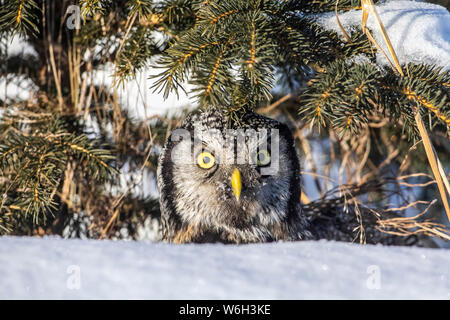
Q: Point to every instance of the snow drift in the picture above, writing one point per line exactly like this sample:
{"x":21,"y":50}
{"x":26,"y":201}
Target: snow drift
{"x":53,"y":268}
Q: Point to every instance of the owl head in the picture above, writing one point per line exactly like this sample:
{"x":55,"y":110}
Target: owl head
{"x":230,"y":182}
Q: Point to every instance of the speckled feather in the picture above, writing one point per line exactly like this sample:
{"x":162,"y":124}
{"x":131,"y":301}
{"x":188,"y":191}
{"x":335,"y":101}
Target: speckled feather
{"x":202,"y":210}
{"x":197,"y":208}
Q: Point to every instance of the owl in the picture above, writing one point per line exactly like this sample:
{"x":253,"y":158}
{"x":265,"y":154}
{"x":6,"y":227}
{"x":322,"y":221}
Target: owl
{"x":230,"y":183}
{"x":240,"y":183}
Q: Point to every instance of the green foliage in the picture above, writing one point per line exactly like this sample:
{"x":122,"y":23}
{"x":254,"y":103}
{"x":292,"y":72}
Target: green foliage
{"x":244,"y":43}
{"x":33,"y":159}
{"x":240,"y":47}
{"x":90,"y":8}
{"x":133,"y":57}
{"x":19,"y":15}
{"x":348,"y":93}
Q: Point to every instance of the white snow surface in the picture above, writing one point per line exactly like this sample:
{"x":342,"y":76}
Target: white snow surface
{"x":53,"y":268}
{"x":419,"y":31}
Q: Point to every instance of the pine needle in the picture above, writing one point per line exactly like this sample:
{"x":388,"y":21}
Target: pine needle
{"x":368,"y":6}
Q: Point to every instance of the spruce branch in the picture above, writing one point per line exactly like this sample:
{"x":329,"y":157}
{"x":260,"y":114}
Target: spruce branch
{"x":19,"y":16}
{"x":267,"y":36}
{"x":347,"y":93}
{"x":89,"y":8}
{"x":33,"y":161}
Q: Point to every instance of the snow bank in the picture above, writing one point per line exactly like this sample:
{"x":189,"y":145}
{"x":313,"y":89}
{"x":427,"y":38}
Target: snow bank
{"x":419,"y":32}
{"x":17,"y":87}
{"x":33,"y":268}
{"x":17,"y":46}
{"x":138,"y":97}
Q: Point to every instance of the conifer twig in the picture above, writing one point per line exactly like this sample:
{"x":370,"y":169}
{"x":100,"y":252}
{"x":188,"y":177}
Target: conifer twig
{"x":429,"y":149}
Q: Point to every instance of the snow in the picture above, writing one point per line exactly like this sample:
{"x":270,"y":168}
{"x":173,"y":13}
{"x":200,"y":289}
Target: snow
{"x":138,"y":97}
{"x":17,"y":46}
{"x":419,"y":32}
{"x":15,"y":87}
{"x":52,"y":268}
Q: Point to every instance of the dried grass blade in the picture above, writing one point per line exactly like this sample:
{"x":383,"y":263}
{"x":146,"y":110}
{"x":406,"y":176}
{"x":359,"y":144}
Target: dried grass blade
{"x":434,"y":163}
{"x":436,"y":167}
{"x":339,"y":23}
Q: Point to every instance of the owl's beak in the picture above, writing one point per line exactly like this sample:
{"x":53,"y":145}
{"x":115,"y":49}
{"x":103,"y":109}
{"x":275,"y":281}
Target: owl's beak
{"x":236,"y":183}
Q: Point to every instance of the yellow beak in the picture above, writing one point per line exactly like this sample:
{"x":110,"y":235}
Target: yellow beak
{"x":236,"y":183}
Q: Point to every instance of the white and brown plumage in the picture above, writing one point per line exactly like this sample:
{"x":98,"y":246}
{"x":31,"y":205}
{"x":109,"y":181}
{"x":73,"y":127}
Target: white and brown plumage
{"x":235,"y":203}
{"x":202,"y":205}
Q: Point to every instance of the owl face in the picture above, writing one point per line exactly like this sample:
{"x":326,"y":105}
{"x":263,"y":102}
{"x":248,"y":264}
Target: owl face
{"x":242,"y":180}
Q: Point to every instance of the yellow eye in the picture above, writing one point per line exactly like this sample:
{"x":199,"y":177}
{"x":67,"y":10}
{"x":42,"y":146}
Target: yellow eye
{"x":262,"y":158}
{"x":205,"y":160}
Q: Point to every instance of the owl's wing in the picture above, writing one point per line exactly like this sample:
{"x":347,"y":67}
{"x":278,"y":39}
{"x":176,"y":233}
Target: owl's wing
{"x":330,"y":219}
{"x":169,"y":219}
